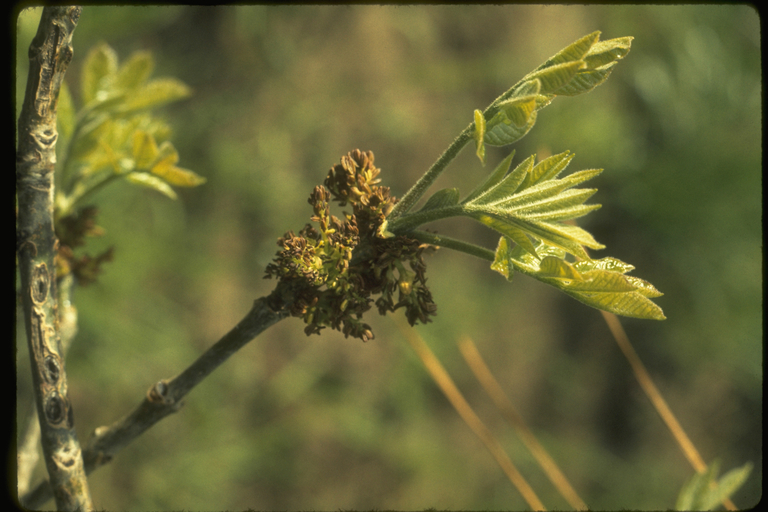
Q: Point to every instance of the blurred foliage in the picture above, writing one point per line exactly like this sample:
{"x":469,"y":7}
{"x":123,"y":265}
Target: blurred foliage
{"x":280,"y":93}
{"x":705,"y":492}
{"x":113,"y":136}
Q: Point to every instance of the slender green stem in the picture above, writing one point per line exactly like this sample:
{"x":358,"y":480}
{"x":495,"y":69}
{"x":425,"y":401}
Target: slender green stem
{"x":65,"y":203}
{"x":453,"y":243}
{"x":411,"y":221}
{"x":429,"y":177}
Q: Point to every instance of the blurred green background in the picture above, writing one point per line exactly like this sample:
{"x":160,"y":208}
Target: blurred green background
{"x":327,"y":423}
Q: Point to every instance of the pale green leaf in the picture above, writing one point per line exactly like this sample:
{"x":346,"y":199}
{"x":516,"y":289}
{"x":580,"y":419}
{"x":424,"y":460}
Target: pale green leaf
{"x":572,"y":232}
{"x":525,"y":89}
{"x":502,"y":263}
{"x":585,"y":81}
{"x":705,"y":492}
{"x":557,"y":268}
{"x":177,"y":176}
{"x":553,"y":234}
{"x":608,"y":263}
{"x":154,"y":94}
{"x":442,"y":199}
{"x":602,"y":281}
{"x":520,"y":259}
{"x":509,"y":227}
{"x":629,"y":304}
{"x":517,"y":111}
{"x":506,"y":187}
{"x":548,"y":168}
{"x":693,"y":490}
{"x":521,"y":239}
{"x":554,"y":77}
{"x":579,"y":177}
{"x":166,"y":150}
{"x":165,"y":168}
{"x":145,"y":150}
{"x":109,"y":102}
{"x":545,"y":189}
{"x":496,"y":176}
{"x":108,"y":157}
{"x":612,"y":292}
{"x":479,"y":135}
{"x":100,"y":64}
{"x":553,"y":203}
{"x":537,"y":211}
{"x":573,"y":52}
{"x":504,"y":132}
{"x":147,"y":180}
{"x":514,"y":117}
{"x":605,"y":52}
{"x":644,"y":287}
{"x":601,"y":289}
{"x":570,"y":213}
{"x":727,"y":485}
{"x":134,"y":72}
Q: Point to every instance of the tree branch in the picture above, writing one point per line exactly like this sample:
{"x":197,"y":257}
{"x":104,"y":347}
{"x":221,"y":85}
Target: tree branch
{"x":49,"y":54}
{"x":165,"y":397}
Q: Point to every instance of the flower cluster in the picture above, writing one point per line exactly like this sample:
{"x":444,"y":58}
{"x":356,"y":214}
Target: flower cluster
{"x":328,"y":273}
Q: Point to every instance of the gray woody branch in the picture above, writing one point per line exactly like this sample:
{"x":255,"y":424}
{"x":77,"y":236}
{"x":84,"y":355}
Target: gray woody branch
{"x":165,"y":397}
{"x":36,"y":243}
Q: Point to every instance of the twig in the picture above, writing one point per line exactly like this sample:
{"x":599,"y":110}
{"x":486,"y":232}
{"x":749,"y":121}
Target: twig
{"x":165,"y":397}
{"x":49,"y":54}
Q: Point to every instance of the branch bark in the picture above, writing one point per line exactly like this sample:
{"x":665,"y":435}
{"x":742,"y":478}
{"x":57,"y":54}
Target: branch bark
{"x":49,"y":56}
{"x":165,"y":397}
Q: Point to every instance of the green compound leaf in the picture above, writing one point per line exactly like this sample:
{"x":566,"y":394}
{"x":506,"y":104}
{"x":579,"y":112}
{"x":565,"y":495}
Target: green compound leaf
{"x":588,"y":281}
{"x":125,"y":89}
{"x":576,"y":69}
{"x":581,"y":66}
{"x":530,"y":201}
{"x":600,"y":61}
{"x":527,"y":203}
